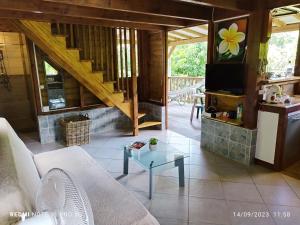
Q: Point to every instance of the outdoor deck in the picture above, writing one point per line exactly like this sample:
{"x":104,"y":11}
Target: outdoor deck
{"x":179,"y":120}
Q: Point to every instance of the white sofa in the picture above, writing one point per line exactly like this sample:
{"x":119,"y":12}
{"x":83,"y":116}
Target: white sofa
{"x":111,"y":203}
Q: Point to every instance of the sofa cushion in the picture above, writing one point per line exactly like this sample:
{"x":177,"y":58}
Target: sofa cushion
{"x":111,"y":203}
{"x":11,"y":196}
{"x":27,"y":174}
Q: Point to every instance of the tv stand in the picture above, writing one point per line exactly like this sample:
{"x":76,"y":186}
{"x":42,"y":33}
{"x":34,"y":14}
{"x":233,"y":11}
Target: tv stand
{"x":224,"y":94}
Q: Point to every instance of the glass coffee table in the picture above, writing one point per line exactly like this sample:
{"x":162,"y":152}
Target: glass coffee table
{"x":165,"y":156}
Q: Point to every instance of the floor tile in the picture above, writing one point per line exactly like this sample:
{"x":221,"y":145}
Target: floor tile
{"x":136,"y":182}
{"x":278,"y":195}
{"x":164,"y":221}
{"x":206,"y":189}
{"x":245,"y":213}
{"x":241,"y":192}
{"x":164,"y":206}
{"x":208,"y":211}
{"x":284,"y":215}
{"x":170,"y":185}
{"x":269,"y":178}
{"x":116,"y":165}
{"x":294,"y":183}
{"x":203,"y":158}
{"x":232,"y":174}
{"x":203,"y":172}
{"x":143,"y":197}
{"x":173,"y":172}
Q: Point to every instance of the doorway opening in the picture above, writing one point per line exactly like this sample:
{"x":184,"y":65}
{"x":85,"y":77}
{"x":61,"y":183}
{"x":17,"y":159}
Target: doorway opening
{"x":187,"y":54}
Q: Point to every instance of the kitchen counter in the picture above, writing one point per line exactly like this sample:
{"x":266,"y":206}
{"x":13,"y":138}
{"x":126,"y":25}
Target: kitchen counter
{"x":283,"y":118}
{"x":293,"y":106}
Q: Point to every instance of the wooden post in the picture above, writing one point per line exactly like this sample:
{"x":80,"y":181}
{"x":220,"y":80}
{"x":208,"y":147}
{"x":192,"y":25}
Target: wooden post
{"x":121,"y":58}
{"x":115,"y":56}
{"x":134,"y":83}
{"x":126,"y":64}
{"x":297,"y":66}
{"x":166,"y":78}
{"x":210,"y":52}
{"x":256,"y":35}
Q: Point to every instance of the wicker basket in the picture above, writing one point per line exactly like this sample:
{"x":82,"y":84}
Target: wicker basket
{"x":76,"y":130}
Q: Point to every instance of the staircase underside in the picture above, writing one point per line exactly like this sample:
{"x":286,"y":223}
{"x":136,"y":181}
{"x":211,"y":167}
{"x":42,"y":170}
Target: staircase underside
{"x":54,"y":45}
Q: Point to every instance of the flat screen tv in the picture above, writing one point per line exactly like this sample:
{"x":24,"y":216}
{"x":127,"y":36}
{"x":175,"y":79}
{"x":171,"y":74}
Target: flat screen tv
{"x":226,"y":77}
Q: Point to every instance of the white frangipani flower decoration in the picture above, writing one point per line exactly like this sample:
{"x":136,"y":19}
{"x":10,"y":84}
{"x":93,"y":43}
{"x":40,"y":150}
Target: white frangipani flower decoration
{"x":231,"y":39}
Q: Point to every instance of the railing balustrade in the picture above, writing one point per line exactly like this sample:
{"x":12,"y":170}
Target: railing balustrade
{"x":179,"y":85}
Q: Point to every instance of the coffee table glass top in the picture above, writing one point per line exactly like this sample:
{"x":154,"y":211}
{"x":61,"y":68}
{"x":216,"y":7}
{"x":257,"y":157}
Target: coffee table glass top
{"x":164,"y":154}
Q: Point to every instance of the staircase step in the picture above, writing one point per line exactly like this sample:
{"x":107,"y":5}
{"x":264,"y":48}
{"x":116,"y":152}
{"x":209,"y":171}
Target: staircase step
{"x":149,"y":124}
{"x":141,"y":115}
{"x":87,"y":64}
{"x":74,"y":53}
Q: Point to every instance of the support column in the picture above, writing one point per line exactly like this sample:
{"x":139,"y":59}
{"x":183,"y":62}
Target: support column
{"x":258,"y":33}
{"x":297,"y":66}
{"x":134,"y":94}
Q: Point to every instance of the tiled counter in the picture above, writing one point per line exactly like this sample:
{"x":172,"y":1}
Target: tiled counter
{"x":232,"y":142}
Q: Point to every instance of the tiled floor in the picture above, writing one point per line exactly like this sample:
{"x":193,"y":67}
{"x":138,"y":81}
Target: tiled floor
{"x":217,"y":191}
{"x":179,"y":120}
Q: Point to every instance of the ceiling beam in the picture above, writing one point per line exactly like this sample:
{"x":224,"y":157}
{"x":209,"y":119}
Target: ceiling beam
{"x":187,"y":41}
{"x":10,"y":14}
{"x":50,"y":8}
{"x":177,"y":33}
{"x":174,"y":9}
{"x":173,"y":37}
{"x":247,"y":5}
{"x":189,"y":30}
{"x":297,"y":16}
{"x":287,"y":28}
{"x":278,"y":22}
{"x":271,"y":4}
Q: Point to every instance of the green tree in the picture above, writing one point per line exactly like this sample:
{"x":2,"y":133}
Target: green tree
{"x":282,"y":50}
{"x":189,"y":60}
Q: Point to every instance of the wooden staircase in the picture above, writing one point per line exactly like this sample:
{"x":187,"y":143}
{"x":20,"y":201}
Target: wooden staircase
{"x":55,"y":46}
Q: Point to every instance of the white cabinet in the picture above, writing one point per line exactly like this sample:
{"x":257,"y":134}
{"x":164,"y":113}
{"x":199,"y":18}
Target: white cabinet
{"x":267,"y":126}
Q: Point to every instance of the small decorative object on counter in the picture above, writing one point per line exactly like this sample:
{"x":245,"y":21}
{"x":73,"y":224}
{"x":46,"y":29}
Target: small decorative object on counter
{"x":239,"y":112}
{"x":76,"y":130}
{"x":153,"y":144}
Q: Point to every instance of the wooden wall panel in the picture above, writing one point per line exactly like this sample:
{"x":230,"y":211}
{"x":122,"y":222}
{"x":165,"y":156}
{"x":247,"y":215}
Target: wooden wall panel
{"x":152,"y":66}
{"x":16,"y":105}
{"x":71,"y":87}
{"x":89,"y":98}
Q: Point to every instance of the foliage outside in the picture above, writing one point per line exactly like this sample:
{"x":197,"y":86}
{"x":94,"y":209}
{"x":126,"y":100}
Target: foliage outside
{"x":282,"y":50}
{"x":189,"y":60}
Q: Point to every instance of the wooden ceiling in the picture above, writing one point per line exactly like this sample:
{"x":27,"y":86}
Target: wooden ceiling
{"x":141,"y":14}
{"x":284,"y":19}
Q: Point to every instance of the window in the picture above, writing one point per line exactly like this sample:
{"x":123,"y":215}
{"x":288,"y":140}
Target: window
{"x":49,"y":70}
{"x":282,"y":53}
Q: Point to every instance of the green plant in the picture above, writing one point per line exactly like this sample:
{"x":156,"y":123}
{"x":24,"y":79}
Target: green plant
{"x":153,"y":141}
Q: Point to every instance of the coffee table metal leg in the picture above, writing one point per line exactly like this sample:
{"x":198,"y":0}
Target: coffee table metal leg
{"x":126,"y":161}
{"x":150,"y":183}
{"x":180,"y":164}
{"x":150,"y":180}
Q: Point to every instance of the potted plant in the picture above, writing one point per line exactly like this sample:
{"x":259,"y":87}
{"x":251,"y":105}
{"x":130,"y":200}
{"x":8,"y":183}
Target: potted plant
{"x":153,"y":143}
